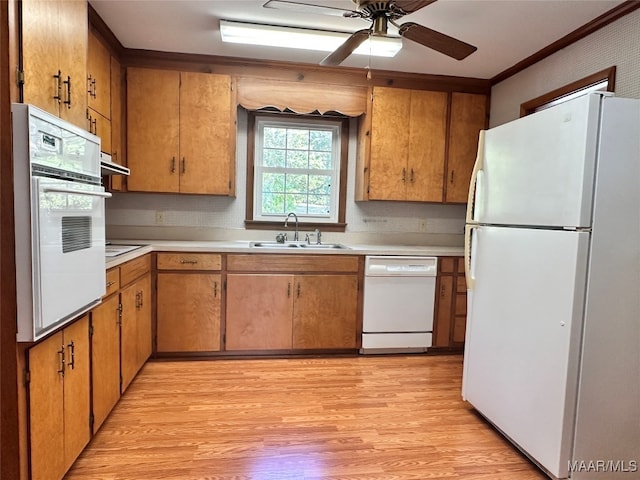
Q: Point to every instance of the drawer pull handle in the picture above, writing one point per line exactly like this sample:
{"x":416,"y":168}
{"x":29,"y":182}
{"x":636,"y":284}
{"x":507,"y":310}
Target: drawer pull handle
{"x":110,"y":284}
{"x":61,"y":353}
{"x":188,"y":262}
{"x":72,"y":363}
{"x":215,"y":289}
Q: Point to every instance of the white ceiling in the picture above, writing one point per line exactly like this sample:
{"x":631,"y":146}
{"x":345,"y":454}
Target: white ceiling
{"x":505,"y":31}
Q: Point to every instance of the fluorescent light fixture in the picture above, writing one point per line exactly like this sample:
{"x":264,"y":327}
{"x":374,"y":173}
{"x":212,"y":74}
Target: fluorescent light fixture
{"x":303,"y":38}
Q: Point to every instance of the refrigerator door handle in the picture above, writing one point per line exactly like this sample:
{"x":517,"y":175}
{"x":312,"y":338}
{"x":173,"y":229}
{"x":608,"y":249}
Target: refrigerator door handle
{"x":471,"y":281}
{"x":477,"y":167}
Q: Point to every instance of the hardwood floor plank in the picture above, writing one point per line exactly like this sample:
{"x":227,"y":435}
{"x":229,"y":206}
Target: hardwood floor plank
{"x":355,"y":418}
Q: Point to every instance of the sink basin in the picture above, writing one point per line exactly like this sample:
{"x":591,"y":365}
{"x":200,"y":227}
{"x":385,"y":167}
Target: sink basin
{"x":309,"y":246}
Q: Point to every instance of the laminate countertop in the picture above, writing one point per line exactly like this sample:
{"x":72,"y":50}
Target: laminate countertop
{"x":244,"y":246}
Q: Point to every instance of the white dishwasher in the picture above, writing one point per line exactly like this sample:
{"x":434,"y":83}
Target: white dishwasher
{"x":399,"y":296}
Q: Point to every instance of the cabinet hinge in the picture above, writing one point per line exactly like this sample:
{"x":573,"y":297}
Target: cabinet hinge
{"x":27,"y":377}
{"x":91,"y":330}
{"x":19,"y":77}
{"x":91,"y":421}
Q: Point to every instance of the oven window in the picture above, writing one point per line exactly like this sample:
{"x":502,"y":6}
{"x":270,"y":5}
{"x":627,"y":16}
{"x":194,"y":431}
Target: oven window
{"x":76,"y":233}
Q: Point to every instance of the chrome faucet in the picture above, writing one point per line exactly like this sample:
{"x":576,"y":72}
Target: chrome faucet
{"x":286,"y":222}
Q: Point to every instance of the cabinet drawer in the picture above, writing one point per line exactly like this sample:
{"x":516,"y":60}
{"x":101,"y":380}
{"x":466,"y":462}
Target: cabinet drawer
{"x":134,"y":269}
{"x":293,"y":263}
{"x":113,"y":281}
{"x":189,"y":261}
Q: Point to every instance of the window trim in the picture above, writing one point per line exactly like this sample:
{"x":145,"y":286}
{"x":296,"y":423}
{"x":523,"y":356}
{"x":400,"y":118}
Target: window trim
{"x":252,"y":224}
{"x":608,"y":74}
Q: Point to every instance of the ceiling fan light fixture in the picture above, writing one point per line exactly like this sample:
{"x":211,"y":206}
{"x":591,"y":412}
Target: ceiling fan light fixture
{"x":304,"y":38}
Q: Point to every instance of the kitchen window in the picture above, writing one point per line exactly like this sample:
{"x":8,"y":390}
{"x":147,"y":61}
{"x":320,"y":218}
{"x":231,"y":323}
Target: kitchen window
{"x":297,"y":163}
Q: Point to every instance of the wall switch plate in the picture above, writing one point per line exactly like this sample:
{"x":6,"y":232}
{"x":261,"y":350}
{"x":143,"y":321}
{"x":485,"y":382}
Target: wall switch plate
{"x":159,"y":218}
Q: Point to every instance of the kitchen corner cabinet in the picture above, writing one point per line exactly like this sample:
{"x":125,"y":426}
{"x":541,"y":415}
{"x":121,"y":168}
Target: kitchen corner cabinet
{"x":135,"y":327}
{"x":273,"y":305}
{"x":468,"y":117}
{"x":54,"y":52}
{"x":451,"y":304}
{"x":407,"y":154}
{"x":181,"y":132}
{"x":188,"y":302}
{"x":59,"y":425}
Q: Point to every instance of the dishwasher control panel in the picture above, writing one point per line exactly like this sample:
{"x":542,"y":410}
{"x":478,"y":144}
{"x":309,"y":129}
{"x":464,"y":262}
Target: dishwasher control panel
{"x":401,"y":265}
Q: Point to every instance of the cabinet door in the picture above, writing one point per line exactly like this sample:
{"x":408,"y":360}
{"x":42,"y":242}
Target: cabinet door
{"x":98,"y":76}
{"x":205,"y":133}
{"x":389,"y":143}
{"x":444,"y":311}
{"x":468,"y":117}
{"x":143,"y":320}
{"x":427,"y":138}
{"x":101,"y":126}
{"x":325,"y":311}
{"x":259,"y":312}
{"x":117,"y":152}
{"x":188,"y":312}
{"x":73,"y":33}
{"x":40,"y":54}
{"x":153,"y":130}
{"x":128,"y":337}
{"x":76,"y":390}
{"x":105,"y":359}
{"x":46,"y":428}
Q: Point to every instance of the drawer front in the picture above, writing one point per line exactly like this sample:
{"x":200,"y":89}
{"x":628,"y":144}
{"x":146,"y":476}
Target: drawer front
{"x":113,"y":281}
{"x":293,"y":263}
{"x":189,"y":261}
{"x":134,"y":269}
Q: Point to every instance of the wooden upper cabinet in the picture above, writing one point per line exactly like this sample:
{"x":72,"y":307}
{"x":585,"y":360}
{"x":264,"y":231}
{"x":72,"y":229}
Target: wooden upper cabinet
{"x":408,"y":138}
{"x":98,"y":77}
{"x":181,"y":132}
{"x":153,"y":104}
{"x":54,"y":51}
{"x":468,"y":117}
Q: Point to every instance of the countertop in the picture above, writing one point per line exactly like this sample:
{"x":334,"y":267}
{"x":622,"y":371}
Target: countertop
{"x":242,"y":246}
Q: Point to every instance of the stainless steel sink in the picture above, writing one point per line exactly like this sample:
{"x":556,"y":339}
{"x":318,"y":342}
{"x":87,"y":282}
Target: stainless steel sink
{"x":286,"y":245}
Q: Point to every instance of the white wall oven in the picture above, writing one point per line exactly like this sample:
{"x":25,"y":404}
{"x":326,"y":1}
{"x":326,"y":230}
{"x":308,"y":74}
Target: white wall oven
{"x":59,"y":220}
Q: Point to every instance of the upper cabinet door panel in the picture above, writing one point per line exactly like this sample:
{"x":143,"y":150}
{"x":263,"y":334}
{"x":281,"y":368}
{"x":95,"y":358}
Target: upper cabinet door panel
{"x":99,"y":77}
{"x":153,"y":130}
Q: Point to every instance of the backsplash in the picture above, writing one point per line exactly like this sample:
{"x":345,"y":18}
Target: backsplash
{"x":202,"y":217}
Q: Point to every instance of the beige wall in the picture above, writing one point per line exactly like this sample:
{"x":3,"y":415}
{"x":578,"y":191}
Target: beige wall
{"x":616,"y":44}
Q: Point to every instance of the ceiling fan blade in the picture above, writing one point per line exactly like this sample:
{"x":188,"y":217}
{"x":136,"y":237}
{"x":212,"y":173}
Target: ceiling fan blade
{"x":410,"y":6}
{"x":343,"y":51}
{"x":437,"y":41}
{"x":310,"y":8}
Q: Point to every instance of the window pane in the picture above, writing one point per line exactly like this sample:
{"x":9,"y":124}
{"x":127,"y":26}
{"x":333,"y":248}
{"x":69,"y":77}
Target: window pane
{"x":319,"y":204}
{"x":320,"y":184}
{"x":273,"y":183}
{"x":274,"y":137}
{"x":297,"y":183}
{"x":320,"y":160}
{"x":274,"y":158}
{"x":320,"y":140}
{"x":273,"y":203}
{"x":297,"y":159}
{"x":297,"y":139}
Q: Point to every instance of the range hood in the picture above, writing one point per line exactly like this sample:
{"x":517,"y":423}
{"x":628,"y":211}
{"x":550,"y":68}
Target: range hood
{"x":108,"y":167}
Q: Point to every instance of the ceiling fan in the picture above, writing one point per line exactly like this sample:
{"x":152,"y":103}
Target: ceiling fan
{"x":381,"y":14}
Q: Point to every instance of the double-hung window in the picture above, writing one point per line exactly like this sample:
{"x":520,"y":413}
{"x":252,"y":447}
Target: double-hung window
{"x":297,"y":168}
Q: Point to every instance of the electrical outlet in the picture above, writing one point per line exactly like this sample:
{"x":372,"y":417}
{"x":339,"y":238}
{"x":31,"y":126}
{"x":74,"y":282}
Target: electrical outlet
{"x":422,"y":225}
{"x":159,"y":218}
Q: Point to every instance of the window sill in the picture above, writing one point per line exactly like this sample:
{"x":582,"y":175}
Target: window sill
{"x":302,"y":226}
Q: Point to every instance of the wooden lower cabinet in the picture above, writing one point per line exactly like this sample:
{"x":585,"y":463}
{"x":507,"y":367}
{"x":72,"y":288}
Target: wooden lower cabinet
{"x":59,"y":405}
{"x":105,"y":358}
{"x":259,"y":312}
{"x":325,"y":311}
{"x":451,"y":304}
{"x":291,"y":311}
{"x":135,"y":328}
{"x":188,"y":315}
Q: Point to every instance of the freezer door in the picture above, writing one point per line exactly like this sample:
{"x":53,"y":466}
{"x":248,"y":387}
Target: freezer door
{"x":539,"y":170}
{"x":523,"y":336}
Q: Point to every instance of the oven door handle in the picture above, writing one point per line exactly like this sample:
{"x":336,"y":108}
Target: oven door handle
{"x":76,"y":192}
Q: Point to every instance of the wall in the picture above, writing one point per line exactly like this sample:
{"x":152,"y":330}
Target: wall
{"x":616,"y":44}
{"x":199,"y":217}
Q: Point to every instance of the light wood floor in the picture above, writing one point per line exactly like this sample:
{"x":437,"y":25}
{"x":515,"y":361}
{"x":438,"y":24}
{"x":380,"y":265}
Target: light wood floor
{"x":374,"y":418}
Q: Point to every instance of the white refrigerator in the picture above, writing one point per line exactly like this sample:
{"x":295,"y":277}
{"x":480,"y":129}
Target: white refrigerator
{"x":552,"y":353}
